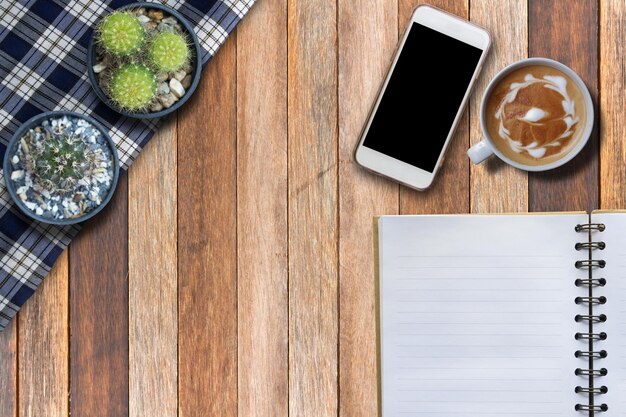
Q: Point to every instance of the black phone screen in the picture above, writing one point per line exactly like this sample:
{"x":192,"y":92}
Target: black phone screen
{"x":422,"y":98}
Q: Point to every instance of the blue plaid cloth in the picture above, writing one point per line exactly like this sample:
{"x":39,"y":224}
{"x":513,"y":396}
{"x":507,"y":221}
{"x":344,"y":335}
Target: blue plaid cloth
{"x":43,"y":48}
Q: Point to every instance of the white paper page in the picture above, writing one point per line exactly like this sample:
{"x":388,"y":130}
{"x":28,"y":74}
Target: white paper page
{"x":477,"y":315}
{"x":614,"y":272}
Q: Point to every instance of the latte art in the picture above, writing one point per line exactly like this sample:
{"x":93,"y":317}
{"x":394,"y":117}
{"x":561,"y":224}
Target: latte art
{"x":535,"y":114}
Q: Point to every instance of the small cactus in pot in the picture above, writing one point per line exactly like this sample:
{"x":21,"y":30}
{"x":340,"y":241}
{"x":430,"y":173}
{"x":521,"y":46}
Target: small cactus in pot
{"x":60,"y":162}
{"x":168,"y":51}
{"x":121,"y":34}
{"x":132,"y":87}
{"x":61,"y":167}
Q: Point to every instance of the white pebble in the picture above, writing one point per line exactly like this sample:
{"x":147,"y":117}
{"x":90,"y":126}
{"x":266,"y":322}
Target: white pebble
{"x":177,"y":88}
{"x":179,"y":75}
{"x":15,"y":159}
{"x":167,"y":100}
{"x":169,"y":20}
{"x":23,"y":196}
{"x":163,"y":88}
{"x":31,"y":206}
{"x":98,"y":68}
{"x":143,"y":18}
{"x":38,"y":211}
{"x":16,"y":175}
{"x":73,"y":208}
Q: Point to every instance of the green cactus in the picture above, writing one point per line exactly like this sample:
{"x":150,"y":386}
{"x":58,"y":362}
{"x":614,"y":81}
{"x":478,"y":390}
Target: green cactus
{"x":168,"y":51}
{"x":132,"y":87}
{"x":60,"y":162}
{"x":121,"y":34}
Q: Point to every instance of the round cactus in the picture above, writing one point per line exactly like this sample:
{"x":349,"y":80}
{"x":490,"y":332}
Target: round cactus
{"x":168,"y":51}
{"x":121,"y":34}
{"x":60,"y":162}
{"x":132,"y":87}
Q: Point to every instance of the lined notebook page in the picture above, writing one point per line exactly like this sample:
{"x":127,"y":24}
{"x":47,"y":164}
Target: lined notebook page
{"x":477,"y":315}
{"x":615,"y":310}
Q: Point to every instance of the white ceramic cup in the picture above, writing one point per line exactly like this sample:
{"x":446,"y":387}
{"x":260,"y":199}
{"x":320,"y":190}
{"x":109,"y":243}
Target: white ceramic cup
{"x":486,"y":147}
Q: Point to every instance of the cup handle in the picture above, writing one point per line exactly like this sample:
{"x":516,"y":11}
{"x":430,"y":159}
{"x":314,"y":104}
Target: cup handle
{"x":479,"y":152}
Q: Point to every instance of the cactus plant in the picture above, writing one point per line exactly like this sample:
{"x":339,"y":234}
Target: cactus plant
{"x":132,"y":87}
{"x":121,"y":34}
{"x":60,"y":162}
{"x":168,"y":51}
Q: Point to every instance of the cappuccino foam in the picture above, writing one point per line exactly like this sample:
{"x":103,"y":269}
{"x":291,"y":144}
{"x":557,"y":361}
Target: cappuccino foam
{"x":535,"y":115}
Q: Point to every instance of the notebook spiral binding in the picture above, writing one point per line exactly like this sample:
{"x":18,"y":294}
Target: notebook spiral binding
{"x":591,"y":335}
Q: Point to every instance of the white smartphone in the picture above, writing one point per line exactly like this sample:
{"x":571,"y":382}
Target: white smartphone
{"x":422,"y":98}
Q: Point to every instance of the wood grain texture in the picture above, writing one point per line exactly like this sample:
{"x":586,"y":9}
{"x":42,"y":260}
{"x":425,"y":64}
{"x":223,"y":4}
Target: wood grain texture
{"x":612,"y":104}
{"x":262,"y":211}
{"x":364,"y":56}
{"x":8,"y":370}
{"x":43,"y":347}
{"x":567,"y":32}
{"x":99,"y":312}
{"x":207,"y":260}
{"x":495,"y":186}
{"x":313,"y":228}
{"x":152,"y":278}
{"x":449,"y":192}
{"x":269,"y":291}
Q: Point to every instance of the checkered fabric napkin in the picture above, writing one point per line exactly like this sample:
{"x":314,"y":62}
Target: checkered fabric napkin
{"x":43,"y":49}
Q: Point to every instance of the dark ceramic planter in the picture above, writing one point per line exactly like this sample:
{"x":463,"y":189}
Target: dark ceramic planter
{"x":197,"y":65}
{"x":8,"y":169}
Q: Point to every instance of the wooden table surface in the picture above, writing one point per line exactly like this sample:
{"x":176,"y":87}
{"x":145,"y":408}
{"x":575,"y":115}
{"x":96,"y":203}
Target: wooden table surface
{"x":233,"y":272}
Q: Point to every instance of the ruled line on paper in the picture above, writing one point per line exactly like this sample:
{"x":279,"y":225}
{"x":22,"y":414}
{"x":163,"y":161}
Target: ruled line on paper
{"x":484,"y":312}
{"x":478,"y":278}
{"x":478,"y":402}
{"x":480,"y":390}
{"x":477,"y":357}
{"x":479,"y":267}
{"x":438,"y":301}
{"x":478,"y":379}
{"x":477,"y":323}
{"x":480,"y":256}
{"x":457,"y":346}
{"x":478,"y":290}
{"x":484,"y":412}
{"x":480,"y":369}
{"x":484,"y":334}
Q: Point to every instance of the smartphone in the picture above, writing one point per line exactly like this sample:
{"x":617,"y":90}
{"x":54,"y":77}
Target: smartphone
{"x":422,"y":98}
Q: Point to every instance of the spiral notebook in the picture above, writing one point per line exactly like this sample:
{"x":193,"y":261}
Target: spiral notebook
{"x":502,"y":315}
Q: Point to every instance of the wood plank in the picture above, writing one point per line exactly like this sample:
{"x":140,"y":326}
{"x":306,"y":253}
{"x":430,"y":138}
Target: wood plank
{"x":450,"y":191}
{"x":495,"y":186}
{"x":152,"y":280}
{"x":99,"y":312}
{"x":612,"y":104}
{"x":263,"y":377}
{"x":207,"y":275}
{"x":43,"y":347}
{"x":567,"y":32}
{"x":367,"y":33}
{"x":8,"y":370}
{"x":313,"y":228}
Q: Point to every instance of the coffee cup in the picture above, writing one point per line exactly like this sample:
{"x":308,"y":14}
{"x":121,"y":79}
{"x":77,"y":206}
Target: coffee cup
{"x":536,"y":115}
